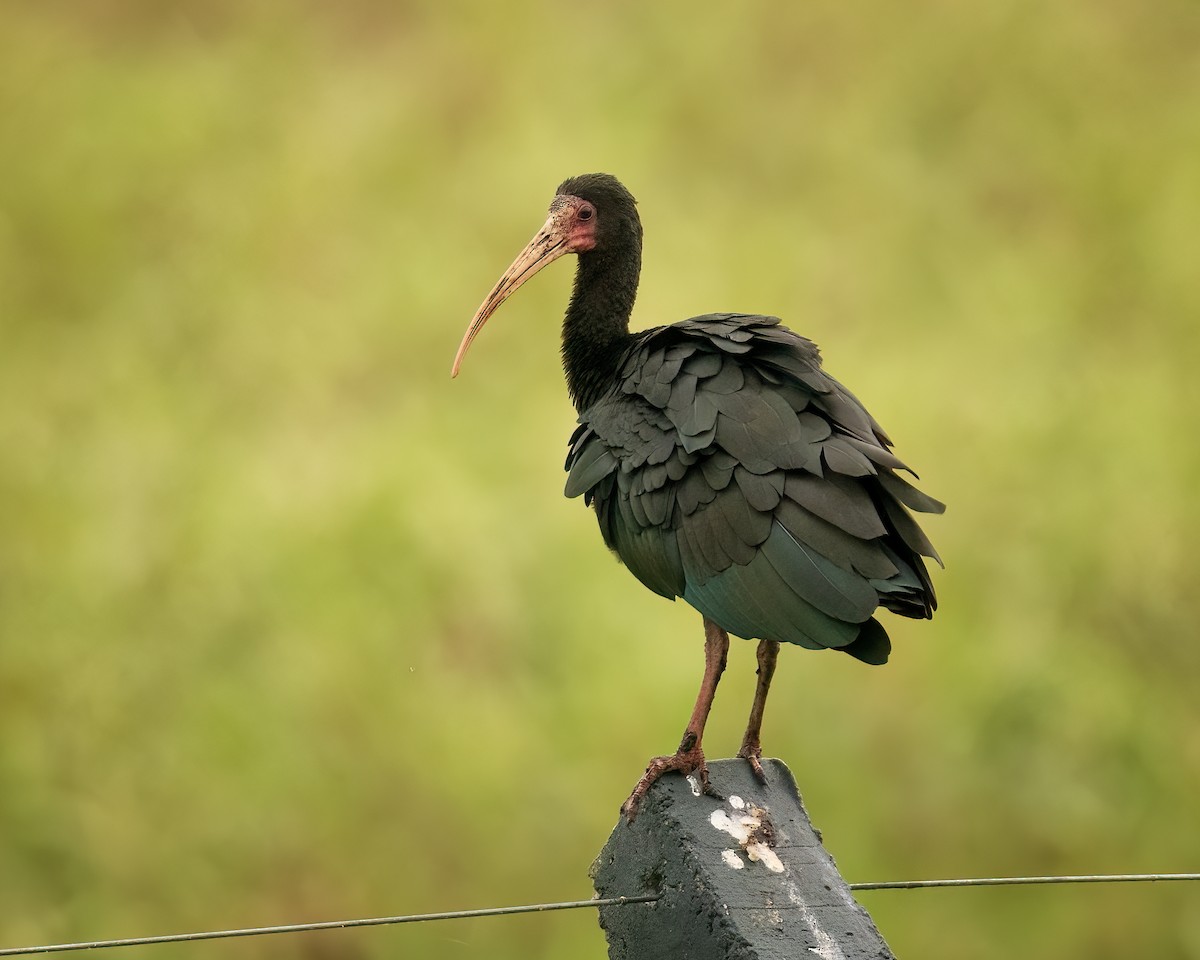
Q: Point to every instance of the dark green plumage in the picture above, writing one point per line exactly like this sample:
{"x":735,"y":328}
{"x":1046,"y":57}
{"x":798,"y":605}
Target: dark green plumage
{"x":727,"y":468}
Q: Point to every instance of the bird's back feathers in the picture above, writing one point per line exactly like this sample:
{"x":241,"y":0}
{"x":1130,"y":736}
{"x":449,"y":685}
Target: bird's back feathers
{"x":726,"y":467}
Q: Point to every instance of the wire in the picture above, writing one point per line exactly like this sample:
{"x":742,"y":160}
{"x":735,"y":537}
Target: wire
{"x":1013,"y":881}
{"x":567,"y":905}
{"x":327,"y":925}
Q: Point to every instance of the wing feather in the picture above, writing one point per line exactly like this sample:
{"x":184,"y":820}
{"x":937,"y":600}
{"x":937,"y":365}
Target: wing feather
{"x":726,"y":467}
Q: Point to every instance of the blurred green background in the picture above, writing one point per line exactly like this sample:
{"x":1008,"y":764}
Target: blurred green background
{"x":292,"y":627}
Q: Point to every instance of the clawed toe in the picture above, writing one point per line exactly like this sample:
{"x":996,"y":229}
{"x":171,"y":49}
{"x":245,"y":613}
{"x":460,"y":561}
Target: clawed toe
{"x":753,"y":756}
{"x":686,"y":762}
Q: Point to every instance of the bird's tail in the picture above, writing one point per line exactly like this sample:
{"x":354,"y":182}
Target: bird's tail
{"x":872,"y":645}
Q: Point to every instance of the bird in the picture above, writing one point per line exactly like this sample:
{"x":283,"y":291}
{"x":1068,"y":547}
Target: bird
{"x":725,"y":468}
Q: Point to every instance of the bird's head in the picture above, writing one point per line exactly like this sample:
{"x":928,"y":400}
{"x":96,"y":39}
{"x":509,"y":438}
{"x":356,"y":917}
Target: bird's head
{"x":589,"y":216}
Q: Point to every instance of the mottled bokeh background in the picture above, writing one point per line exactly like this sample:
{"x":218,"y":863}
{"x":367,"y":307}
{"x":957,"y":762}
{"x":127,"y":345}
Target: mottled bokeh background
{"x":292,"y":627}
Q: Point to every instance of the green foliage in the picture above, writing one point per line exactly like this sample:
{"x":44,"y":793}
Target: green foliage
{"x":292,"y":627}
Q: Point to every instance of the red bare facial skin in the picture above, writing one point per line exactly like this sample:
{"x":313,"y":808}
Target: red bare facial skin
{"x":570,"y":228}
{"x":579,"y":222}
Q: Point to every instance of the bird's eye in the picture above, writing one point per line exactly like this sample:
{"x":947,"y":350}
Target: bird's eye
{"x":585,"y":213}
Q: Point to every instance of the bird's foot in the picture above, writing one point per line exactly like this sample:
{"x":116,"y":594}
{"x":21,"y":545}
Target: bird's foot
{"x":751,"y":752}
{"x":687,"y":760}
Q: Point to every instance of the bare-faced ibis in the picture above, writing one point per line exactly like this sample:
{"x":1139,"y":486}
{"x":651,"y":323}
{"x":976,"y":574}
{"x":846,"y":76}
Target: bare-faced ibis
{"x":725,"y":466}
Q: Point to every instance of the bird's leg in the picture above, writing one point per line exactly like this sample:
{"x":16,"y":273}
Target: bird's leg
{"x":689,"y":758}
{"x":751,"y":750}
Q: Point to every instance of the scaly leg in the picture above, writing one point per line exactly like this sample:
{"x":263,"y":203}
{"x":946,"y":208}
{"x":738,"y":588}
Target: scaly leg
{"x":751,"y":750}
{"x":689,"y":758}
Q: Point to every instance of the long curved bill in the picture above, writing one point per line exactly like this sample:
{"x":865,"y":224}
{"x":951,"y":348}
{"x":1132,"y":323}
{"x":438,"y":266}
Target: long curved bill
{"x":548,"y":245}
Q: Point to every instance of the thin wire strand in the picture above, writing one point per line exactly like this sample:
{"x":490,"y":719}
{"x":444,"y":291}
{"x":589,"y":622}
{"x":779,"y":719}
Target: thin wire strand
{"x":327,"y":925}
{"x":1013,"y":881}
{"x":567,"y":905}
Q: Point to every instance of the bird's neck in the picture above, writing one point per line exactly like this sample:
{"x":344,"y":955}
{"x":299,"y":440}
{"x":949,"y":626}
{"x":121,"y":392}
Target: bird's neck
{"x":595,"y":332}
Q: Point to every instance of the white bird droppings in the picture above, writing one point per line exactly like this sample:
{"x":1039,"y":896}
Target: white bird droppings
{"x":761,"y":853}
{"x":694,"y":784}
{"x":739,"y":829}
{"x":745,"y":823}
{"x":732,"y":860}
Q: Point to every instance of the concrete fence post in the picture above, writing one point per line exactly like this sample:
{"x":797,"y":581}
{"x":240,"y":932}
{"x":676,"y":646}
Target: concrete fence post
{"x":744,"y":877}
